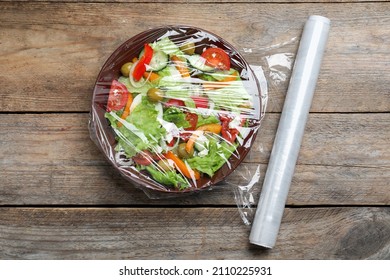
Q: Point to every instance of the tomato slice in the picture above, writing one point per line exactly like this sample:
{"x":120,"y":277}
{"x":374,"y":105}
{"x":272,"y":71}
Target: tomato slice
{"x":201,"y":102}
{"x":175,"y":102}
{"x":185,"y":135}
{"x":117,"y":97}
{"x":217,"y":58}
{"x":192,"y":118}
{"x":229,"y":134}
{"x":145,"y":158}
{"x":172,"y":143}
{"x":140,"y":67}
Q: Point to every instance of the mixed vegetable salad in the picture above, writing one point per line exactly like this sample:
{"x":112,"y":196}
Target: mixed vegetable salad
{"x":179,"y":111}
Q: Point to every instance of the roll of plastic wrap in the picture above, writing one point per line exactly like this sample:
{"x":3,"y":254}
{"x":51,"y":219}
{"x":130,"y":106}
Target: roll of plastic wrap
{"x":290,"y":131}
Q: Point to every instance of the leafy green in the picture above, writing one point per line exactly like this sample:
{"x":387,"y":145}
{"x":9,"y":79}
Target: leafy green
{"x":142,"y":131}
{"x":113,"y":117}
{"x":143,"y":89}
{"x":167,"y":46}
{"x":176,"y":116}
{"x":170,"y":177}
{"x":230,"y":96}
{"x":207,"y":77}
{"x":218,"y":155}
{"x":223,"y":74}
{"x":208,"y":120}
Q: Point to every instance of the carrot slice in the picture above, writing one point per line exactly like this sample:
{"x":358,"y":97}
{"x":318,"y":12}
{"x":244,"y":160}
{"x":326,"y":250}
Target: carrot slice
{"x":126,"y":111}
{"x":181,"y":66}
{"x":151,"y":76}
{"x":214,"y":128}
{"x":189,"y":173}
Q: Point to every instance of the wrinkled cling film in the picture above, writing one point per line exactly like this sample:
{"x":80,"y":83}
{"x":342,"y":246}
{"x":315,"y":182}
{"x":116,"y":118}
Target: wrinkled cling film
{"x":178,"y":119}
{"x":273,"y":70}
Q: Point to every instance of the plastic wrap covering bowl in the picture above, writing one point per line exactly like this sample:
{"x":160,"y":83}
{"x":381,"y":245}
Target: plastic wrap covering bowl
{"x":144,"y":133}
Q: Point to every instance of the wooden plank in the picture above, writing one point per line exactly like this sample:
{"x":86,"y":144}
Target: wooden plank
{"x":329,"y":139}
{"x":49,"y":159}
{"x":189,"y":233}
{"x":334,"y":139}
{"x":100,"y":184}
{"x":82,"y":35}
{"x":199,"y":1}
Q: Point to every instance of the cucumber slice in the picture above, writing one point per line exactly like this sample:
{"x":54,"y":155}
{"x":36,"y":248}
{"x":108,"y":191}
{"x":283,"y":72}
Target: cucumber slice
{"x":222,"y":74}
{"x":159,"y":60}
{"x":198,"y":62}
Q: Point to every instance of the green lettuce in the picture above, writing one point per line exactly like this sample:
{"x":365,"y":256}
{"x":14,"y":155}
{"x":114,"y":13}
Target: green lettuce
{"x":167,"y":46}
{"x":208,"y":120}
{"x":170,"y":177}
{"x":143,"y":89}
{"x":113,"y":116}
{"x":230,"y":96}
{"x":176,"y":116}
{"x":218,"y":155}
{"x":144,"y":131}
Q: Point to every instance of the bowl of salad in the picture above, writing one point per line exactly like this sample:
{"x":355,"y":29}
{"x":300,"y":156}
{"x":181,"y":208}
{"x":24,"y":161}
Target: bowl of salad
{"x":175,"y":109}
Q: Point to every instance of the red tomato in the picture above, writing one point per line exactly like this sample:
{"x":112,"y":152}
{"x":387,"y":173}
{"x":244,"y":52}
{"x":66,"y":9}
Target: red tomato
{"x":172,"y":143}
{"x":175,"y":102}
{"x":229,"y":134}
{"x":117,"y":97}
{"x":201,"y":102}
{"x":140,"y":67}
{"x":145,"y":158}
{"x":217,"y":58}
{"x":193,"y":120}
{"x":185,"y":136}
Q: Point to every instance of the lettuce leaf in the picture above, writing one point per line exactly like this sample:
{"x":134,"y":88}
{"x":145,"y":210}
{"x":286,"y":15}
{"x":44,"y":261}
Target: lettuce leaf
{"x":218,"y":155}
{"x":142,"y":131}
{"x":144,"y":89}
{"x":208,"y":120}
{"x":170,"y":178}
{"x":176,"y":116}
{"x":167,"y":46}
{"x":230,"y":96}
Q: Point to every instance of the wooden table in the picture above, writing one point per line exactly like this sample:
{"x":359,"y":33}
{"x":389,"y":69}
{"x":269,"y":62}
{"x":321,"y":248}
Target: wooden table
{"x":60,"y":199}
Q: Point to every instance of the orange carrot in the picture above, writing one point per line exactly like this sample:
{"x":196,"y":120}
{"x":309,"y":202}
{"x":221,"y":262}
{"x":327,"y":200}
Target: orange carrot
{"x":189,"y":173}
{"x":181,"y":66}
{"x":126,"y":111}
{"x":222,"y":83}
{"x":151,"y":76}
{"x":214,"y":128}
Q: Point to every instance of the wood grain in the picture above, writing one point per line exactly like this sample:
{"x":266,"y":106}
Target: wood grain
{"x":49,"y":61}
{"x":60,"y":198}
{"x":50,"y":159}
{"x":198,"y":1}
{"x":182,"y":233}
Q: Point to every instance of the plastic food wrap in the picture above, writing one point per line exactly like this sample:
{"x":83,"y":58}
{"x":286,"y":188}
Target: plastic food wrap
{"x":175,"y":109}
{"x":290,"y":132}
